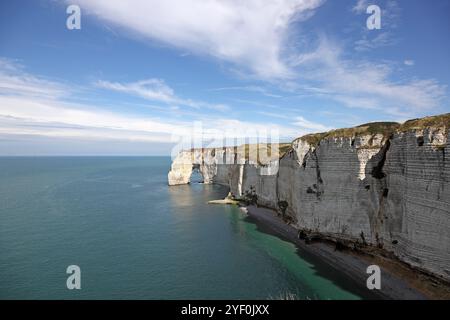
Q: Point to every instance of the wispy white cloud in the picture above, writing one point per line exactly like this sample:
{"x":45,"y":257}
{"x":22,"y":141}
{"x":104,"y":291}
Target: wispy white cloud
{"x":157,"y":90}
{"x":250,"y":34}
{"x":363,"y":84}
{"x":409,"y":63}
{"x":14,"y":80}
{"x":360,"y":6}
{"x":380,"y":40}
{"x":151,"y":89}
{"x":274,"y":115}
{"x":310,"y":126}
{"x":43,"y":111}
{"x":299,"y":124}
{"x":22,"y":115}
{"x":258,"y":89}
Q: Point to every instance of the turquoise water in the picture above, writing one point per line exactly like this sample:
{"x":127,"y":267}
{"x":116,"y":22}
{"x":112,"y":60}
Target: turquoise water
{"x":136,"y":238}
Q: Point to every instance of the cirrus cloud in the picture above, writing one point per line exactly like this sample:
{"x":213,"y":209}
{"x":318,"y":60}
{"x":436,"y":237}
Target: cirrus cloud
{"x":157,"y":90}
{"x":250,"y":34}
{"x":367,"y":85}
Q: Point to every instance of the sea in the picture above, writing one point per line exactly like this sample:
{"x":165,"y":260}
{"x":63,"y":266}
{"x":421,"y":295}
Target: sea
{"x":134,"y":237}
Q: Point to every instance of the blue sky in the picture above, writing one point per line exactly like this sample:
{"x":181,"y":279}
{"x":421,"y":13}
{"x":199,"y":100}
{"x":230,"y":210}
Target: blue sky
{"x":140,"y":75}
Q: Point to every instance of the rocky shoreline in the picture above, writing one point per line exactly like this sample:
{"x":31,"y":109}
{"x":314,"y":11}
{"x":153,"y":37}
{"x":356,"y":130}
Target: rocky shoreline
{"x":395,"y":285}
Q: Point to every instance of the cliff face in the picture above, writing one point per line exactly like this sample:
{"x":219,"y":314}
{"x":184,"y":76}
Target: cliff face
{"x":376,"y":187}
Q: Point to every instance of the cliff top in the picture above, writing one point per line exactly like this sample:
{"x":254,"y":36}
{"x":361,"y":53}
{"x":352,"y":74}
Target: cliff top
{"x":254,"y":151}
{"x":265,"y":149}
{"x":384,"y":128}
{"x":440,"y":121}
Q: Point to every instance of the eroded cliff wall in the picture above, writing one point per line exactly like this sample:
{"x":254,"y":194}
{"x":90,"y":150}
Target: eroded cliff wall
{"x":388,"y":189}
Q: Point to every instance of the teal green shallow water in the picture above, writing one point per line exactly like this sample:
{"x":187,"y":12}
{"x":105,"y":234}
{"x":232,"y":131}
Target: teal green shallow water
{"x":136,"y":238}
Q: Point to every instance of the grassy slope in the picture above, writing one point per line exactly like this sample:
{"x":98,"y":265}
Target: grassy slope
{"x":384,"y":128}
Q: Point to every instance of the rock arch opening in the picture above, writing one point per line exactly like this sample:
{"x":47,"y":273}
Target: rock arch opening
{"x":196,"y":174}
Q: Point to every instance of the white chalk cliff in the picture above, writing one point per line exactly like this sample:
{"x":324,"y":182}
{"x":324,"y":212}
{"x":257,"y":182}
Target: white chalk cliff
{"x":383,"y":185}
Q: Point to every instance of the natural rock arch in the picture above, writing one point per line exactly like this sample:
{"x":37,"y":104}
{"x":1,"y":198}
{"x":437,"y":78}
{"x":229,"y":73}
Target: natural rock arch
{"x":196,"y":174}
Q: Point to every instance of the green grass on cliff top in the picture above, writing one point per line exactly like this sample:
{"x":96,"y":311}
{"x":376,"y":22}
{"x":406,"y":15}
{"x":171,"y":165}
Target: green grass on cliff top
{"x":384,"y":128}
{"x":264,"y":148}
{"x":441,"y":121}
{"x":258,"y":150}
